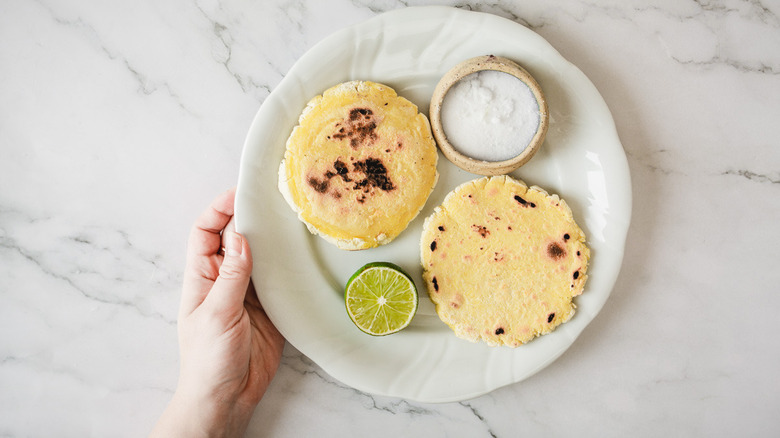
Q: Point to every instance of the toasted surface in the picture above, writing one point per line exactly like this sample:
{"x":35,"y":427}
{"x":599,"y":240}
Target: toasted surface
{"x":360,"y":165}
{"x":502,"y":261}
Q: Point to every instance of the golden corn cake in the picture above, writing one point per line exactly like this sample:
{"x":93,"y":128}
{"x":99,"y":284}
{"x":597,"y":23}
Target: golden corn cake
{"x":360,"y":165}
{"x":502,"y":261}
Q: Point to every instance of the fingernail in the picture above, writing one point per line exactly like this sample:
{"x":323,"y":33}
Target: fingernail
{"x":234,"y":245}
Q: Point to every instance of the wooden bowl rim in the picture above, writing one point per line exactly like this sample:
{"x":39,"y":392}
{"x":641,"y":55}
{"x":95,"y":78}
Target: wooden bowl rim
{"x":474,"y":65}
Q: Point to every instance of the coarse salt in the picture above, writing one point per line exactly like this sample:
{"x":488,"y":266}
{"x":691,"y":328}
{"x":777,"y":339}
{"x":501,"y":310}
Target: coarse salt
{"x":490,"y":115}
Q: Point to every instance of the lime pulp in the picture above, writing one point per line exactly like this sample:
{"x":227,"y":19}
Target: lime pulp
{"x":381,"y":298}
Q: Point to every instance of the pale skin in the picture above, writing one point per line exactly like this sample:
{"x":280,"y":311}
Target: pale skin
{"x":229,"y":348}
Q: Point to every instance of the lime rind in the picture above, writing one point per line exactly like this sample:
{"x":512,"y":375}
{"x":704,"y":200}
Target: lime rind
{"x":381,"y":298}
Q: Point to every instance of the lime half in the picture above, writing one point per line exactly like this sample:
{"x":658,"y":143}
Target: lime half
{"x":381,"y":298}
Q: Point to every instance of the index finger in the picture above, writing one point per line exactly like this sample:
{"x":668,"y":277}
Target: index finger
{"x":204,"y":242}
{"x":205,"y":234}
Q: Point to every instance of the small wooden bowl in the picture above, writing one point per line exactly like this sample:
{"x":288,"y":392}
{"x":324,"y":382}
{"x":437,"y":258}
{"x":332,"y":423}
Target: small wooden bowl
{"x":465,"y":68}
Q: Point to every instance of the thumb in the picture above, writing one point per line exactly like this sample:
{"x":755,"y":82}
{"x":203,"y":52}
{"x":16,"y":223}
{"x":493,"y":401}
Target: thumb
{"x":230,"y":287}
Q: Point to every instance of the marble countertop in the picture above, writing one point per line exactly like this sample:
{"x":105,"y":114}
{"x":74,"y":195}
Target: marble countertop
{"x":120,"y":121}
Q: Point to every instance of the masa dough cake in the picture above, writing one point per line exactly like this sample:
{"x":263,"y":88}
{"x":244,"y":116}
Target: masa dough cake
{"x":502,"y":261}
{"x":360,"y":165}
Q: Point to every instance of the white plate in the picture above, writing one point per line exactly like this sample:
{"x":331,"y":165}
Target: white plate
{"x":300,"y":277}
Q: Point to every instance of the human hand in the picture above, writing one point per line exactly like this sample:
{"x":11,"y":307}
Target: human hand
{"x":229,"y":348}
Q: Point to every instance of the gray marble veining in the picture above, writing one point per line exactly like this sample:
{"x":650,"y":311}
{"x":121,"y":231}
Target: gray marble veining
{"x":119,"y":122}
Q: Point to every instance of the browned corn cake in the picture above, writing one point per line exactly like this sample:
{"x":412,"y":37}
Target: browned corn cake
{"x":502,"y":262}
{"x":360,"y":165}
